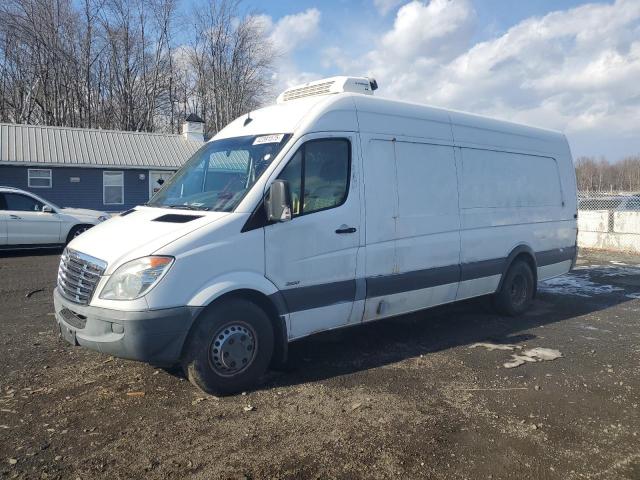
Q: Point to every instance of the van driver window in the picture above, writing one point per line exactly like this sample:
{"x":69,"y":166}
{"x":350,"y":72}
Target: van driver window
{"x":321,"y":169}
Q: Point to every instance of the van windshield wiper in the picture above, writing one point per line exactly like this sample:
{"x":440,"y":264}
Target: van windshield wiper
{"x":187,"y":207}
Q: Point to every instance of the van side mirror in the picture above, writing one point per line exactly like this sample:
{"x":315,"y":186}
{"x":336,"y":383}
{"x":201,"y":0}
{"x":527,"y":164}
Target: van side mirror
{"x":47,"y":209}
{"x":278,"y":202}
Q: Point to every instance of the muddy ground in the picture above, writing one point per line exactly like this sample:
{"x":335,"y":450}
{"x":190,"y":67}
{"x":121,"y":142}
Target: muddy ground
{"x":402,"y":398}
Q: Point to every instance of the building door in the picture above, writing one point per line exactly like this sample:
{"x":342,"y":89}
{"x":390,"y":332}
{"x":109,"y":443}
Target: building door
{"x":157,"y":180}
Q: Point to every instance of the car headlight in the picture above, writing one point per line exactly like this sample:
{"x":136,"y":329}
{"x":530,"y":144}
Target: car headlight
{"x":135,"y":278}
{"x":103,"y":218}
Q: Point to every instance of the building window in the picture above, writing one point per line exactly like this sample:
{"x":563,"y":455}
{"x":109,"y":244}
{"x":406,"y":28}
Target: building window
{"x":113,"y":188}
{"x":39,"y":178}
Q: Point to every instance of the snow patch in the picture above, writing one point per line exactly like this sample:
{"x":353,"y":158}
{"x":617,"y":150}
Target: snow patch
{"x":537,"y":354}
{"x":494,"y":346}
{"x":616,"y":269}
{"x":575,"y":284}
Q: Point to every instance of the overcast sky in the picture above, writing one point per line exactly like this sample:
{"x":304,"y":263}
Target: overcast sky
{"x":562,"y":64}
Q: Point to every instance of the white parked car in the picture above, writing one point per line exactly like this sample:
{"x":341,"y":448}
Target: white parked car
{"x":329,"y":209}
{"x":29,"y":221}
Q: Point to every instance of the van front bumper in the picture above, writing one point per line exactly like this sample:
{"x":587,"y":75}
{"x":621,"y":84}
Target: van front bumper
{"x":153,"y":336}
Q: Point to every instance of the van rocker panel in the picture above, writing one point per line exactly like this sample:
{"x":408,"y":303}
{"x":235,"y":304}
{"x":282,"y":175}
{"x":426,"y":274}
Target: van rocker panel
{"x":322,"y":295}
{"x":152,"y":336}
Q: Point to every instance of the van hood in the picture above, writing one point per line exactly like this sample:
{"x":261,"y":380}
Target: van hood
{"x":140,"y":233}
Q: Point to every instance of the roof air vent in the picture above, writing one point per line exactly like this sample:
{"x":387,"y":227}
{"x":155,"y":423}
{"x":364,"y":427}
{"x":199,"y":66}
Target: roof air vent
{"x":328,"y":86}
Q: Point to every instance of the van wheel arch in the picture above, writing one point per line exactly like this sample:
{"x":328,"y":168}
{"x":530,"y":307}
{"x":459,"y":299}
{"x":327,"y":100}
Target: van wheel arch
{"x":262,"y":301}
{"x":525,"y":253}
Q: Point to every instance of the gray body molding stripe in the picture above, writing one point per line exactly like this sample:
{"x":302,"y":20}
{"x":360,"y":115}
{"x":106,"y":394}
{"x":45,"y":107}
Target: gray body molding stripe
{"x":316,"y":296}
{"x":405,"y":282}
{"x":556,"y":255}
{"x":483,"y":268}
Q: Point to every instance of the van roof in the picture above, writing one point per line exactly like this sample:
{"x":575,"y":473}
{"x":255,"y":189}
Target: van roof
{"x":337,"y":112}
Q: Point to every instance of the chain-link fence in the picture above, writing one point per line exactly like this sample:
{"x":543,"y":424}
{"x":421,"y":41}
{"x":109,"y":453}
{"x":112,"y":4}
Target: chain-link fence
{"x":598,"y":210}
{"x":614,"y":201}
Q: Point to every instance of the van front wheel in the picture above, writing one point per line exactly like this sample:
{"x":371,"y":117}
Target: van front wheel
{"x":229,"y":348}
{"x":516,"y":294}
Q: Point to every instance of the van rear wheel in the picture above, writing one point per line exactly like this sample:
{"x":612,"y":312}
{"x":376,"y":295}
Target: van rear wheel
{"x":229,"y":348}
{"x":516,"y":293}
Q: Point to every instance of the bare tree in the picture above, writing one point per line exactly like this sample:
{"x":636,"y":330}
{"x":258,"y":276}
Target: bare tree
{"x":116,"y":63}
{"x":232,"y":60}
{"x":600,"y":175}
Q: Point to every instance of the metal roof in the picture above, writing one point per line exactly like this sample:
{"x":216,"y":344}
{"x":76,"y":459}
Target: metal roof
{"x":36,"y":145}
{"x":236,"y":161}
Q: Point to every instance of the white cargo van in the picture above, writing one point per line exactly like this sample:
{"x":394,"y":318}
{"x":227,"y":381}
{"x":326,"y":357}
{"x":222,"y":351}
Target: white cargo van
{"x":329,"y":209}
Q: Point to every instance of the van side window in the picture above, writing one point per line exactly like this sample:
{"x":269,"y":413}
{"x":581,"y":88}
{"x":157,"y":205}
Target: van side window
{"x":318,"y":175}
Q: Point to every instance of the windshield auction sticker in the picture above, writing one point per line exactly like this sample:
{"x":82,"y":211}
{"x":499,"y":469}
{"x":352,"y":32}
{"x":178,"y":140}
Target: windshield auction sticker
{"x":268,"y":139}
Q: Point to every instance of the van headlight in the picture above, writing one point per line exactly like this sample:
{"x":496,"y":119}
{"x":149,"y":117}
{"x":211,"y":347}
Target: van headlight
{"x":135,"y":278}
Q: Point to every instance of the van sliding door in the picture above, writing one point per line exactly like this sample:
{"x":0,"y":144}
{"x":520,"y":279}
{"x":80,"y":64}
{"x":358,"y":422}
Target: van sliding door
{"x":413,"y":227}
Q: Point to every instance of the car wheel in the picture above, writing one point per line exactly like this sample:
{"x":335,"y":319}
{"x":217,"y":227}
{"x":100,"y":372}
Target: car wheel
{"x":516,"y":293}
{"x":229,"y":348}
{"x":77,"y":231}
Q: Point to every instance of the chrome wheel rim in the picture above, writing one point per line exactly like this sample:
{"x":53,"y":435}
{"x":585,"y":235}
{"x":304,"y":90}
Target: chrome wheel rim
{"x":233,"y":349}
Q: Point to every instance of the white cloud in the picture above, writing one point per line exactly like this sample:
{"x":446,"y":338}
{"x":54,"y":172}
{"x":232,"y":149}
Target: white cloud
{"x":440,"y":28}
{"x":287,"y":35}
{"x":291,"y":31}
{"x":385,"y":6}
{"x":576,"y":70}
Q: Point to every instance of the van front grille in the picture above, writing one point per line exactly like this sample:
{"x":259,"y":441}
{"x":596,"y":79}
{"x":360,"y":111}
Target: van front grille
{"x":79,"y":275}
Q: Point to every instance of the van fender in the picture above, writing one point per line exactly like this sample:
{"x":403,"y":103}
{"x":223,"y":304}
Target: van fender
{"x":248,"y":283}
{"x":230,"y":282}
{"x":522,"y":248}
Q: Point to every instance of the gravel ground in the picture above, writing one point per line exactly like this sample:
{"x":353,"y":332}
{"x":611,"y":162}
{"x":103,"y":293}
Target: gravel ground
{"x":401,"y":398}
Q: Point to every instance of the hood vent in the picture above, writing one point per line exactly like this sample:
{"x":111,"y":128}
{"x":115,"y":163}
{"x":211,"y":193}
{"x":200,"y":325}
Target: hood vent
{"x":174,"y":218}
{"x":124,"y":214}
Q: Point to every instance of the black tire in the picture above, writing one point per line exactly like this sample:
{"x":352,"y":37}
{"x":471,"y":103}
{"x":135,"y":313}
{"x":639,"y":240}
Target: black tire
{"x":77,"y":230}
{"x":516,"y":293}
{"x":223,"y":337}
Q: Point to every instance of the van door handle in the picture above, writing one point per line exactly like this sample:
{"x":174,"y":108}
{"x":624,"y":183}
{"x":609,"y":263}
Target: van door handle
{"x":345,"y":229}
{"x":15,"y":217}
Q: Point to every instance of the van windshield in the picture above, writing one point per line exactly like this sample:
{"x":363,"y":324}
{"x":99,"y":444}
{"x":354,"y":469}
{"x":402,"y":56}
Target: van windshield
{"x":219,"y":174}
